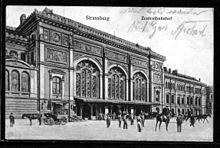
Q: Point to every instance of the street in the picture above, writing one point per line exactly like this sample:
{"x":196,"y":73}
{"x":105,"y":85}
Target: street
{"x":97,"y":130}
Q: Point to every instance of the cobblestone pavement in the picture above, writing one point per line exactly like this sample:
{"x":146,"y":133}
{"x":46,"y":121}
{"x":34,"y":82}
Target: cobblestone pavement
{"x":97,"y":130}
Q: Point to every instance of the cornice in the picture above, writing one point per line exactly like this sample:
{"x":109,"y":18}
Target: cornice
{"x":48,"y":17}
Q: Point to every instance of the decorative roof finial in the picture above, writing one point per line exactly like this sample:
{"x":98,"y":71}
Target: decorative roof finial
{"x":46,"y":10}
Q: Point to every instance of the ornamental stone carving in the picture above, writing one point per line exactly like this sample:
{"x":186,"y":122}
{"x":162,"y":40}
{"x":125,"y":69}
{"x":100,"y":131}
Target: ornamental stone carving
{"x":139,"y":63}
{"x":116,"y":56}
{"x":156,"y":65}
{"x":56,"y":55}
{"x":157,"y":78}
{"x":88,"y":48}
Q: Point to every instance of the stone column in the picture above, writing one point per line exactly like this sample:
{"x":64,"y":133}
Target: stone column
{"x":71,"y":83}
{"x":106,"y":109}
{"x":101,"y":86}
{"x":119,"y":108}
{"x":91,"y":111}
{"x":111,"y":108}
{"x":132,"y":110}
{"x":62,"y":81}
{"x":132,"y":90}
{"x":80,"y":110}
{"x":127,"y":90}
{"x":106,"y":87}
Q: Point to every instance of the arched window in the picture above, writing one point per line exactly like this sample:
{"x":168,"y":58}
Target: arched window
{"x":15,"y":81}
{"x":196,"y":101}
{"x":87,"y":79}
{"x":157,"y":95}
{"x":172,"y":99}
{"x":140,"y":87}
{"x":178,"y":100}
{"x":57,"y":86}
{"x":25,"y":80}
{"x":191,"y":100}
{"x":116,"y":84}
{"x":199,"y":101}
{"x":183,"y":100}
{"x":7,"y":80}
{"x":167,"y":98}
{"x":187,"y":101}
{"x":183,"y":111}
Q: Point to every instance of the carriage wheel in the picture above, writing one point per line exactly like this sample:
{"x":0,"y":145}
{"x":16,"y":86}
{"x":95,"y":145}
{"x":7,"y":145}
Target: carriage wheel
{"x":45,"y":121}
{"x":63,"y":120}
{"x":51,"y":121}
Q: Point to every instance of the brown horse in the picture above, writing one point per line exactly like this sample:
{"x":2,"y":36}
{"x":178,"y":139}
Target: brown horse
{"x":162,"y":118}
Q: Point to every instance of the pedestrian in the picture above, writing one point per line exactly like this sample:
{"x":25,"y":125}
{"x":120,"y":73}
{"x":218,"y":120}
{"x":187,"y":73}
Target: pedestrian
{"x":179,"y":120}
{"x":192,"y":120}
{"x":40,"y":118}
{"x":125,"y":126}
{"x":139,"y":123}
{"x":119,"y":120}
{"x":114,"y":115}
{"x":108,"y":121}
{"x":143,"y":119}
{"x":12,"y":120}
{"x":132,"y":119}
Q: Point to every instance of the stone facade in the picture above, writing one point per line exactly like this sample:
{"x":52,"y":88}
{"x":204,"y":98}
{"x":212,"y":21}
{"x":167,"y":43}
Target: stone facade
{"x":183,"y":93}
{"x":72,"y":67}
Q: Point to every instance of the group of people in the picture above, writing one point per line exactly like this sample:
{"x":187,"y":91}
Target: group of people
{"x":123,"y":117}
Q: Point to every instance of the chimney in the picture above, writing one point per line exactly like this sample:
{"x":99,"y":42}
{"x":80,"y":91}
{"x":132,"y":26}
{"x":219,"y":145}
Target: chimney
{"x":22,"y":18}
{"x":199,"y":79}
{"x":169,"y":70}
{"x":175,"y":72}
{"x":165,"y":69}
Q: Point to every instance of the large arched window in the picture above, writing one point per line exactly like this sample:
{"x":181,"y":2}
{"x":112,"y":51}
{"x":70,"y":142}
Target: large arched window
{"x":15,"y":81}
{"x":87,"y":79}
{"x":25,"y":82}
{"x":57,"y":85}
{"x":7,"y":80}
{"x":140,"y":87}
{"x":116,"y":84}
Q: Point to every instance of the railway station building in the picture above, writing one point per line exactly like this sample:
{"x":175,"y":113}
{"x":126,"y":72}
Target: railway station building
{"x":54,"y":63}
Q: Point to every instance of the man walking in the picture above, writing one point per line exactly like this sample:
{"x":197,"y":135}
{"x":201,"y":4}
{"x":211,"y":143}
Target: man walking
{"x":125,"y":126}
{"x":108,"y":121}
{"x":119,"y":120}
{"x":179,"y":121}
{"x":192,"y":120}
{"x":139,"y":123}
{"x":12,"y":120}
{"x":132,"y":119}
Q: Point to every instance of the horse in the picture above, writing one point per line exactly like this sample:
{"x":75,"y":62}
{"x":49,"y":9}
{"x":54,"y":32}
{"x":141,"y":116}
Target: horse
{"x":162,"y":118}
{"x":32,"y":116}
{"x":186,"y":117}
{"x":204,"y":117}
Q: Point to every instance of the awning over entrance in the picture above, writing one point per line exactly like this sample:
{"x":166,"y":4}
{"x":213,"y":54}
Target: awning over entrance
{"x":116,"y":101}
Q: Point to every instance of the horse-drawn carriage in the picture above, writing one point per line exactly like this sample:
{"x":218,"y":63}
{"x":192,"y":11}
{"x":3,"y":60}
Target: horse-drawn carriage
{"x":55,"y":118}
{"x":49,"y":118}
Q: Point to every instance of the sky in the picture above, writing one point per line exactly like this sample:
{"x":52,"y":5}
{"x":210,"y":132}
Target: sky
{"x":183,"y":35}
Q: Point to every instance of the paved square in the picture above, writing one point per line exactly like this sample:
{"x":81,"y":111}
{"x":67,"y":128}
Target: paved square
{"x":97,"y":130}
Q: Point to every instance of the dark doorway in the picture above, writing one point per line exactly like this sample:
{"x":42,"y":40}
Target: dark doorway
{"x":86,"y":111}
{"x":115,"y":110}
{"x":138,"y":110}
